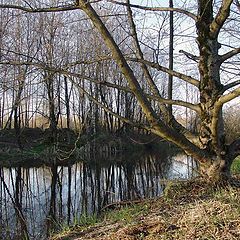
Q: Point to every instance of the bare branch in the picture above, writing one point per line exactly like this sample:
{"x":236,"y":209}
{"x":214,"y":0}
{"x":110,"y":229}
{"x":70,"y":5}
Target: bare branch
{"x":191,"y":137}
{"x":157,"y":9}
{"x":167,"y":115}
{"x":190,"y":56}
{"x":96,"y":81}
{"x":194,"y":107}
{"x":220,"y":18}
{"x":228,"y":97}
{"x":27,"y":3}
{"x":237,"y":4}
{"x":159,"y":99}
{"x":230,"y":85}
{"x":182,"y":76}
{"x":228,"y":55}
{"x":37,"y":10}
{"x":139,"y":52}
{"x":164,"y":110}
{"x":97,"y":60}
{"x":122,"y":64}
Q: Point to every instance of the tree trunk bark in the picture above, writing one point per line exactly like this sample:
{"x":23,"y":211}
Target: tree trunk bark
{"x":211,"y":135}
{"x":216,"y":170}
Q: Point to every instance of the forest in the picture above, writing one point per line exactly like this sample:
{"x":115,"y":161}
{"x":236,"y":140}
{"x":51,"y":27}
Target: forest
{"x":115,"y":66}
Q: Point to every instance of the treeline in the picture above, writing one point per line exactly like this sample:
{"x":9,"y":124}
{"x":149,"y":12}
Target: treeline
{"x":58,"y":73}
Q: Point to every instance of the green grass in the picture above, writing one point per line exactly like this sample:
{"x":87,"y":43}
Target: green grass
{"x":87,"y":220}
{"x":235,"y":168}
{"x":66,"y":232}
{"x":127,"y":214}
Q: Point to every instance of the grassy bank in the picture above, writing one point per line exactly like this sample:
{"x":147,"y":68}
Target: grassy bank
{"x":36,"y":148}
{"x":188,"y":210}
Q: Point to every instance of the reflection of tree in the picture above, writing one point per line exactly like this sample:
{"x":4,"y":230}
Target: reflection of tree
{"x":133,"y":177}
{"x":18,"y":202}
{"x":69,"y":194}
{"x":132,"y":192}
{"x":51,"y":220}
{"x":82,"y":188}
{"x":15,"y":199}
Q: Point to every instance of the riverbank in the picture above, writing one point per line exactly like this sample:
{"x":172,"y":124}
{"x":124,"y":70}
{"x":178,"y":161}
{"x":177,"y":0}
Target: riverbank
{"x":34,"y":147}
{"x":187,"y":210}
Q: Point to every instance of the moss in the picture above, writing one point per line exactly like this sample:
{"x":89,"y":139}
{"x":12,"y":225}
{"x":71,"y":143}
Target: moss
{"x":235,"y":168}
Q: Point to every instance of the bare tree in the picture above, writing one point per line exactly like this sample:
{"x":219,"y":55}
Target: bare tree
{"x":208,"y":145}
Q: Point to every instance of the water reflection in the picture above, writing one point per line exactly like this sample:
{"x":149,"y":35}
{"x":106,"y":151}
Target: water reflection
{"x":34,"y":201}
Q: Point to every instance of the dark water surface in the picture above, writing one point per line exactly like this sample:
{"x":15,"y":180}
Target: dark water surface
{"x":33,"y":201}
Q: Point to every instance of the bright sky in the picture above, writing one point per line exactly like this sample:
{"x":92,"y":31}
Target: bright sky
{"x":159,"y":3}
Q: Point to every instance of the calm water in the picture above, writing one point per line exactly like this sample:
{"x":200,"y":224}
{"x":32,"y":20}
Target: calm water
{"x":33,"y":201}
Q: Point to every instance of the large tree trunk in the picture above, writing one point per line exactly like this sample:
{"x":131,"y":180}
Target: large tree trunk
{"x":210,"y":86}
{"x":211,"y":135}
{"x":216,"y":170}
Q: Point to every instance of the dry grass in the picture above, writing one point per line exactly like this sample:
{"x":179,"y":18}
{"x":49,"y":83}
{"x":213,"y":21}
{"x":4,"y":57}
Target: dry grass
{"x":189,"y":210}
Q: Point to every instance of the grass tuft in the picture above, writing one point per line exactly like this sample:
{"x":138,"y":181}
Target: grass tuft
{"x":127,"y":214}
{"x":235,"y":168}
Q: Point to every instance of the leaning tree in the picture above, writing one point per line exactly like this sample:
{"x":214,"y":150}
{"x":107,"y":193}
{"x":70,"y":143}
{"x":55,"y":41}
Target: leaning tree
{"x":211,"y":18}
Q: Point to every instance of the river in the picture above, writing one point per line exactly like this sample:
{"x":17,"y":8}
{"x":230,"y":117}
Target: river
{"x":34,"y":201}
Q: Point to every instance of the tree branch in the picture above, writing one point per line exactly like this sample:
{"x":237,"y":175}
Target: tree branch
{"x":237,"y":4}
{"x":167,"y":115}
{"x":182,"y":76}
{"x":163,"y":108}
{"x":157,"y":125}
{"x":97,"y":60}
{"x":126,"y":120}
{"x":220,"y":18}
{"x":228,"y":55}
{"x":228,"y":97}
{"x":190,"y":56}
{"x":139,"y":52}
{"x":230,"y":85}
{"x":194,"y":107}
{"x":38,"y":10}
{"x":124,"y":67}
{"x":158,"y":9}
{"x":191,"y":137}
{"x":159,"y":99}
